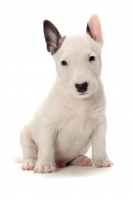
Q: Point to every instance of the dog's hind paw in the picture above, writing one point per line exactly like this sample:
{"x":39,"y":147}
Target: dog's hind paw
{"x":81,"y":161}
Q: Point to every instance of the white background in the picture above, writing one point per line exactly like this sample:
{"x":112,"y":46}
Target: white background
{"x":27,"y":72}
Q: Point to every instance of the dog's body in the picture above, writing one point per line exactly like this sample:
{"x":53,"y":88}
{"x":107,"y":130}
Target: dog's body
{"x":72,"y":118}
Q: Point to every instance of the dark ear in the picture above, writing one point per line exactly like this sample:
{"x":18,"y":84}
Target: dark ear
{"x":94,"y":29}
{"x":52,"y":36}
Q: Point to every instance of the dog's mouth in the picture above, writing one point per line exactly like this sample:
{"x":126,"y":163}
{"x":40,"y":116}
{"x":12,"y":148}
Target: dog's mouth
{"x":83,"y":93}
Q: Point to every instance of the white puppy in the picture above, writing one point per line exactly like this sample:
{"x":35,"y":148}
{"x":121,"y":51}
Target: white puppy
{"x":72,"y":118}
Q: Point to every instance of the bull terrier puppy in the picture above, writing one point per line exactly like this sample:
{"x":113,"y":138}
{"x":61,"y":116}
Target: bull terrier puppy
{"x":72,"y":117}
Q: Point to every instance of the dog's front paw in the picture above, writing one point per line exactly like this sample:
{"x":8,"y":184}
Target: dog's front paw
{"x":102,"y":162}
{"x":45,"y":168}
{"x":29,"y":164}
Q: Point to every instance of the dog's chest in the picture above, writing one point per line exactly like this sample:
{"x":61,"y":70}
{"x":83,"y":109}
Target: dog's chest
{"x":77,"y":123}
{"x":74,"y":135}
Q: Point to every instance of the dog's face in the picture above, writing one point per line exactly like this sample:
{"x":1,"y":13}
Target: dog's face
{"x":77,"y":57}
{"x":78,"y":64}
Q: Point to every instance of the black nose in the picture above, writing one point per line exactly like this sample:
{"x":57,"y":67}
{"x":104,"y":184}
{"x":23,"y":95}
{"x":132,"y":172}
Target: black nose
{"x":81,"y":87}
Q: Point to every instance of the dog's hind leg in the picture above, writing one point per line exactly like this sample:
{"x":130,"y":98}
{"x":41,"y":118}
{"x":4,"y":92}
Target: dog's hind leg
{"x":81,"y":161}
{"x":29,"y":149}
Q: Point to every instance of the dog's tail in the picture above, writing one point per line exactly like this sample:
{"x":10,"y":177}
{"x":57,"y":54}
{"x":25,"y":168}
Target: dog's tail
{"x":18,"y":160}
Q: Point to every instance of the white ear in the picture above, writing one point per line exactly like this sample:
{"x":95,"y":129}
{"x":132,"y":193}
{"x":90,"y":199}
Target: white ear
{"x":94,"y":29}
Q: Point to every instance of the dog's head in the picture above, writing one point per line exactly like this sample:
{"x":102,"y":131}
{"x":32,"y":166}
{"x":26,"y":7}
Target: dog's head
{"x":77,"y":57}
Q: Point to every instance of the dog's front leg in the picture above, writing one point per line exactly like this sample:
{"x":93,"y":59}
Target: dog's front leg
{"x":99,"y":156}
{"x":46,"y":160}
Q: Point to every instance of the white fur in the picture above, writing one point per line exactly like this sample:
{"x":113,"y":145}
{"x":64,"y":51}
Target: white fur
{"x":67,"y":123}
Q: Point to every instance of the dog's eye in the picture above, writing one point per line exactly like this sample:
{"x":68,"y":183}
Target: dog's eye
{"x":64,"y":63}
{"x":91,"y":58}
